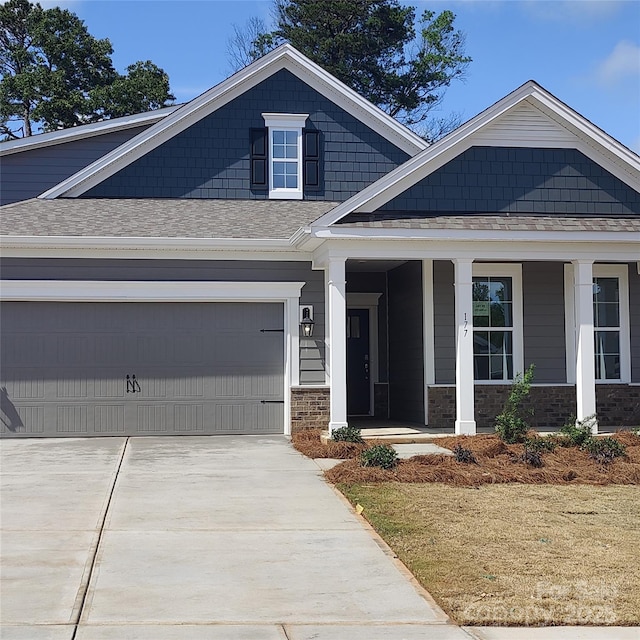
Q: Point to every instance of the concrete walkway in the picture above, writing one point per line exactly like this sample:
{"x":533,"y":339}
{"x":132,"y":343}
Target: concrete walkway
{"x":212,"y":538}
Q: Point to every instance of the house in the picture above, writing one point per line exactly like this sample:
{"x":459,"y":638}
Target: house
{"x":279,"y":253}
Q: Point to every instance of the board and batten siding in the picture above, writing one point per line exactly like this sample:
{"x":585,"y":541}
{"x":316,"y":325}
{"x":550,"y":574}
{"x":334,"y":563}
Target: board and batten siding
{"x":444,"y":322}
{"x":210,"y":159}
{"x":27,"y":174}
{"x":544,"y":323}
{"x":312,"y":351}
{"x":406,"y":364}
{"x":634,"y":319}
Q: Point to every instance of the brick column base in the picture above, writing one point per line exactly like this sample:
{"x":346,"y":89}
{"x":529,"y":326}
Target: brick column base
{"x":309,"y":408}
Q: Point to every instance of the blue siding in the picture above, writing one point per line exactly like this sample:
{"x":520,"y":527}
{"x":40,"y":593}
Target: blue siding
{"x":27,"y":174}
{"x":520,"y":180}
{"x":210,"y":159}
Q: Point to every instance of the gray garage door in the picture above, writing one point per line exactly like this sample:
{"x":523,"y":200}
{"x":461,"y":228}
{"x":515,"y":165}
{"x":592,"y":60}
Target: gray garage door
{"x":76,"y":369}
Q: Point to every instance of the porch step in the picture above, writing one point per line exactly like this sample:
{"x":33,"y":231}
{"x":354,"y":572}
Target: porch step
{"x":396,"y":435}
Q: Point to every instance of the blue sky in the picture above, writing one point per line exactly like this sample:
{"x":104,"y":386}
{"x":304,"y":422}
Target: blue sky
{"x":586,"y":52}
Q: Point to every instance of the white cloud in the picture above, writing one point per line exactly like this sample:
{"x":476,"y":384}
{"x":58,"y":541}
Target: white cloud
{"x":622,"y":63}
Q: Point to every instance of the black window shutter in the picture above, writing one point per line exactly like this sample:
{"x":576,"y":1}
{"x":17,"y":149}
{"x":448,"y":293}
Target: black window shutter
{"x":259,"y":171}
{"x":311,"y":159}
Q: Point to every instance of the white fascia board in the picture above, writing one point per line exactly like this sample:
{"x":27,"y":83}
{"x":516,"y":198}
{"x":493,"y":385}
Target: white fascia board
{"x":152,"y":248}
{"x":134,"y":291}
{"x":592,"y":142}
{"x":84,"y":131}
{"x":284,"y":57}
{"x":488,"y":250}
{"x":158,"y":244}
{"x":365,"y":233}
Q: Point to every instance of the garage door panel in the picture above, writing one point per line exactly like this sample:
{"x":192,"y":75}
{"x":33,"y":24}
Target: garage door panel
{"x":109,"y":419}
{"x":151,"y":418}
{"x":73,"y":419}
{"x":199,"y":367}
{"x":25,"y":387}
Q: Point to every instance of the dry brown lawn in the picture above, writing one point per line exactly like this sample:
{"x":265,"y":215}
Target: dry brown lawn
{"x":515,"y":554}
{"x":501,"y":542}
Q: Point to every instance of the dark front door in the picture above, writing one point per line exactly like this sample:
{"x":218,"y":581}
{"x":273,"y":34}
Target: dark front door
{"x":358,"y":362}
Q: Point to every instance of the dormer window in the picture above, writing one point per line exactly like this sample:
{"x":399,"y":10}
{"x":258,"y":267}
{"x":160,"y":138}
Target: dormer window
{"x":286,"y":157}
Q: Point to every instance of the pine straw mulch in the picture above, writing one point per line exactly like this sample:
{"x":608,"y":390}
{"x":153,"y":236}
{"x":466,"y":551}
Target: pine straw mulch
{"x":308,"y":443}
{"x":497,"y":463}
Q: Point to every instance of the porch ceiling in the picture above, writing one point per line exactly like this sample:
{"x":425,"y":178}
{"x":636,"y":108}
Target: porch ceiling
{"x":372,"y":266}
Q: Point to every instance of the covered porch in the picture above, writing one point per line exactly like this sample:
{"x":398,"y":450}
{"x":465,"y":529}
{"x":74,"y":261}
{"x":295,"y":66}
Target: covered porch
{"x":430,"y":346}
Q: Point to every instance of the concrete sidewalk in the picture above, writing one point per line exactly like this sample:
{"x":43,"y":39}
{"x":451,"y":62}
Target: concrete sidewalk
{"x":211,"y":538}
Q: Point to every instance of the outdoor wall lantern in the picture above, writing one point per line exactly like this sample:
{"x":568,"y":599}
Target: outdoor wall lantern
{"x":306,"y":321}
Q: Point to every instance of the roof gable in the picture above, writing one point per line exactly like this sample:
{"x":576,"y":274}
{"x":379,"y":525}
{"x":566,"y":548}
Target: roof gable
{"x":284,"y":57}
{"x":528,"y":117}
{"x":81,"y":132}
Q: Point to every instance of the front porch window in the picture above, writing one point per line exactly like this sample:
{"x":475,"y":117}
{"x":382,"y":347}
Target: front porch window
{"x":496,"y":305}
{"x":606,"y":322}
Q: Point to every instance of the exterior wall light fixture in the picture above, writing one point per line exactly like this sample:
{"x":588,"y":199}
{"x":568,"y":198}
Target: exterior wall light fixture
{"x":306,"y":321}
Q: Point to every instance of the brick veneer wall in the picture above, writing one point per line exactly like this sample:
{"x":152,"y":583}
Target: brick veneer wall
{"x":309,"y":408}
{"x":617,"y":405}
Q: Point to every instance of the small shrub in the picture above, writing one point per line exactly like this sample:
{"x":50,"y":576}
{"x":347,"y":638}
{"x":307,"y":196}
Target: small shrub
{"x":379,"y":455}
{"x":464,"y":455}
{"x":605,"y":450}
{"x":531,"y":456}
{"x":541,"y":445}
{"x":511,"y":424}
{"x":347,"y":434}
{"x":580,"y":432}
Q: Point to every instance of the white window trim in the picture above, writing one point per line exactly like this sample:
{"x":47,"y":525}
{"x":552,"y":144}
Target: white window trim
{"x":285,"y":122}
{"x":620,"y":271}
{"x":513,"y":271}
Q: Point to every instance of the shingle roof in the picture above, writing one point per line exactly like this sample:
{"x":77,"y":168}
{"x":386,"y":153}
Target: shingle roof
{"x":165,"y":218}
{"x":498,"y":222}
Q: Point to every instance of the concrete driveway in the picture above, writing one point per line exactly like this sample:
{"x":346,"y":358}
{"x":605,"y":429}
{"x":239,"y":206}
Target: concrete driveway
{"x":234,"y":538}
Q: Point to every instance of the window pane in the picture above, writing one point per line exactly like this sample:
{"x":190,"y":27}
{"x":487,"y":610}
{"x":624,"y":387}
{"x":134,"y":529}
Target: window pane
{"x":500,"y":289}
{"x":500,"y":366}
{"x":501,"y":314}
{"x":480,"y":342}
{"x":607,"y":355}
{"x":605,"y":290}
{"x":606,"y":314}
{"x":481,"y":367}
{"x":285,"y":175}
{"x":292,"y":151}
{"x":278,"y":137}
{"x":291,"y":137}
{"x":492,"y":298}
{"x":480,"y":289}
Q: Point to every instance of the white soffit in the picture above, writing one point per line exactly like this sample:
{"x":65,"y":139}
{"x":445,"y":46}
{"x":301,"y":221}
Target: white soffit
{"x":528,"y":117}
{"x":284,"y":57}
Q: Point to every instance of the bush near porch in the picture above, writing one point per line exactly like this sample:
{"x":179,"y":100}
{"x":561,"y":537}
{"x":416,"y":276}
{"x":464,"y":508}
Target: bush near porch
{"x":496,"y":463}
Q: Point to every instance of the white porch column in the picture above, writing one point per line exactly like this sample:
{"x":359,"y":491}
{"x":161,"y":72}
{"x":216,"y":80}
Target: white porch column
{"x":465,"y":414}
{"x":336,"y":323}
{"x":585,"y":360}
